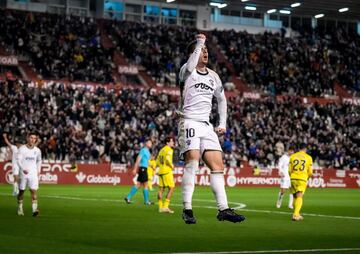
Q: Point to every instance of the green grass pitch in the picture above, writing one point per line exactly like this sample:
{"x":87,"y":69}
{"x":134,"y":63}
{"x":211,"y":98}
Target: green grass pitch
{"x":95,"y":219}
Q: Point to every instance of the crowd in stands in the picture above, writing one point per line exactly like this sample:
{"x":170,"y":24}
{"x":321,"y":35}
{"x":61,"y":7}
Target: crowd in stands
{"x":306,"y":65}
{"x":75,"y":124}
{"x":63,"y":46}
{"x":58,"y":46}
{"x":161,"y":49}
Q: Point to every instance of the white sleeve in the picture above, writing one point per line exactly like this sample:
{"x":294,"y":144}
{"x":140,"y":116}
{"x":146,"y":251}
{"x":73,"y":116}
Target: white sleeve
{"x":20,"y":156}
{"x":193,"y":60}
{"x":280,"y":165}
{"x":222,"y":104}
{"x":38,"y":161}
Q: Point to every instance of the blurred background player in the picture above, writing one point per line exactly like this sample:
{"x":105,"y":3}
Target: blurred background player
{"x":285,"y":183}
{"x":197,"y":138}
{"x":164,"y":161}
{"x":300,"y":169}
{"x":15,"y":168}
{"x":29,"y":162}
{"x":140,"y":167}
{"x":151,"y":171}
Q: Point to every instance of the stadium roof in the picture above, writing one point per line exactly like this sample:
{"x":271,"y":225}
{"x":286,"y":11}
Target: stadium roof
{"x":307,"y":8}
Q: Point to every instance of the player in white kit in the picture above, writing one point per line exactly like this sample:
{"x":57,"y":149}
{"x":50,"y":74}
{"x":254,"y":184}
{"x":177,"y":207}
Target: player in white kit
{"x":285,"y":182}
{"x":29,"y":161}
{"x":15,"y":167}
{"x":197,"y":137}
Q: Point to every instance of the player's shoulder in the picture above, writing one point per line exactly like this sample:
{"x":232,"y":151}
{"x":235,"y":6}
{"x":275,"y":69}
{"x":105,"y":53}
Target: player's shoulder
{"x":213,"y":73}
{"x":22,"y":147}
{"x":308,"y":156}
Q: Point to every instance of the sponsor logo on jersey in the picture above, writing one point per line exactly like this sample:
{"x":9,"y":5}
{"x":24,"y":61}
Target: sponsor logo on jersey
{"x":203,"y":86}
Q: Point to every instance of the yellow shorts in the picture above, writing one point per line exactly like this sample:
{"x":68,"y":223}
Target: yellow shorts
{"x":298,"y":186}
{"x":166,"y":180}
{"x":150,"y":173}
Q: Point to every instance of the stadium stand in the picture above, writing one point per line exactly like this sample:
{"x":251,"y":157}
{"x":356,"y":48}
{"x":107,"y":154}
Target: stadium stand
{"x":306,"y":65}
{"x":78,"y":125}
{"x":57,"y":46}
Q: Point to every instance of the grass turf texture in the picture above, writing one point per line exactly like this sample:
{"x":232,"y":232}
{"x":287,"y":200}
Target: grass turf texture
{"x":95,"y":219}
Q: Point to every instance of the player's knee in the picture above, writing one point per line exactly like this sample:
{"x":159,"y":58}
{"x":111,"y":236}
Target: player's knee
{"x":191,"y":166}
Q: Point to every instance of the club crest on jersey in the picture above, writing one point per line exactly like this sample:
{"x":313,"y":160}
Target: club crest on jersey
{"x":212,"y":82}
{"x":203,"y":86}
{"x":188,"y":142}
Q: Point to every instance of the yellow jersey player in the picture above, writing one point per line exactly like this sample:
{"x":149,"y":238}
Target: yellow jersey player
{"x":300,"y":169}
{"x":164,"y":161}
{"x":151,"y":171}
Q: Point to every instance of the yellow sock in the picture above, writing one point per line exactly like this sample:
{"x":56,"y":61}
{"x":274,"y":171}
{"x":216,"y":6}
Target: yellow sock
{"x":297,"y":205}
{"x":150,"y":185}
{"x":160,"y":203}
{"x":166,"y":203}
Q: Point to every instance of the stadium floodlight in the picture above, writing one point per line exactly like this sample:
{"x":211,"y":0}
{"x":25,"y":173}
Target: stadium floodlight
{"x":285,"y":12}
{"x":219,"y":5}
{"x":343,"y":9}
{"x":271,"y":11}
{"x":319,"y":16}
{"x":170,"y":1}
{"x":295,"y":5}
{"x":250,"y":8}
{"x":244,"y":1}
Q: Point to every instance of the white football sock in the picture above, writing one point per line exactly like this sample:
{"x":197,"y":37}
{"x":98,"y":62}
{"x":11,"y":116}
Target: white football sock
{"x":291,"y":199}
{"x":188,"y":182}
{"x":16,"y":187}
{"x":34,"y":205}
{"x":217,"y":183}
{"x":280,"y":197}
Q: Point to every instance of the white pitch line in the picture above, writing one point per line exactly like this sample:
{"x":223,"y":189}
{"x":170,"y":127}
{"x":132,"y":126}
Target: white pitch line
{"x":239,"y":206}
{"x":270,"y":251}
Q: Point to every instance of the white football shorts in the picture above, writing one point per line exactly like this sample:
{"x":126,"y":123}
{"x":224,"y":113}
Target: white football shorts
{"x":31,"y":181}
{"x":196,"y":135}
{"x":285,"y":183}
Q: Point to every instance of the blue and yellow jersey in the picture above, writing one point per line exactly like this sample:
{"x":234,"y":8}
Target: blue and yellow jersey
{"x":300,"y":166}
{"x":164,"y":160}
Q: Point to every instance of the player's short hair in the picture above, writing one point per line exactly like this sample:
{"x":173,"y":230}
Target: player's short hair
{"x":291,"y":147}
{"x":191,"y":47}
{"x":302,"y":146}
{"x":168,"y":138}
{"x":32,"y":133}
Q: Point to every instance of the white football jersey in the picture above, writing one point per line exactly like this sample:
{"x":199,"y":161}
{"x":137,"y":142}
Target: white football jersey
{"x":199,"y":90}
{"x":284,"y":164}
{"x":29,"y":159}
{"x":14,"y":151}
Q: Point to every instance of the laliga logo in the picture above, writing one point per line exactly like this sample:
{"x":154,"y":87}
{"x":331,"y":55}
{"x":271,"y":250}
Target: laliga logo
{"x":231,"y":181}
{"x":80,"y":177}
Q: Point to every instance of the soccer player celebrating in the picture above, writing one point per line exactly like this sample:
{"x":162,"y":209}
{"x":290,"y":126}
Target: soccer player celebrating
{"x":300,"y":169}
{"x":29,"y":161}
{"x":140,"y":167}
{"x":285,"y":184}
{"x":164,"y":161}
{"x":197,"y":137}
{"x":15,"y":167}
